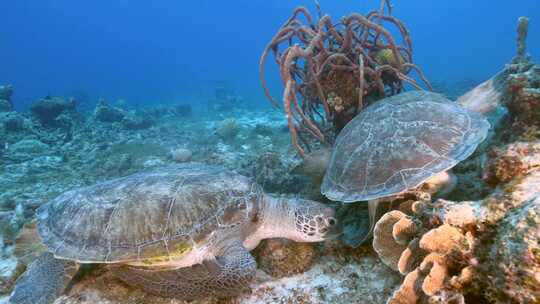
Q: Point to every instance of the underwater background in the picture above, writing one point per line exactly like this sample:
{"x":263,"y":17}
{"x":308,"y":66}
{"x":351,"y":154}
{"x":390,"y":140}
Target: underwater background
{"x":94,"y":91}
{"x":177,"y":51}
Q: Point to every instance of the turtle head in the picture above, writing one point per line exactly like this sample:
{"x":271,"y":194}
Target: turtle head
{"x":313,"y":221}
{"x":297,"y":219}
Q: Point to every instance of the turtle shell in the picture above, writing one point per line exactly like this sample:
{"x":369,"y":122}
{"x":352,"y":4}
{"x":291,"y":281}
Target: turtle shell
{"x":399,"y":142}
{"x":146,"y":217}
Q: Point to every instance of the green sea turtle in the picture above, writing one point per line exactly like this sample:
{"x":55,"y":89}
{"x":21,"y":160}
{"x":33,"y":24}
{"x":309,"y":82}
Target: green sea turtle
{"x":182,"y":231}
{"x":397,"y":144}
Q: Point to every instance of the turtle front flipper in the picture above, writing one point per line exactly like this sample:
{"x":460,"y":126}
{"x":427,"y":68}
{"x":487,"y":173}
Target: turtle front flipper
{"x":45,"y":280}
{"x":229,"y":276}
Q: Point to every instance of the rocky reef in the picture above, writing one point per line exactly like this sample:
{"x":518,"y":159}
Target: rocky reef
{"x":452,"y":251}
{"x":53,"y":147}
{"x":478,"y":244}
{"x":5,"y":98}
{"x":40,"y":163}
{"x":484,"y":250}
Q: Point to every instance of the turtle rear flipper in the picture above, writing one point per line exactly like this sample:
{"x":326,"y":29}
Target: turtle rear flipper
{"x":229,"y":276}
{"x":44,"y":280}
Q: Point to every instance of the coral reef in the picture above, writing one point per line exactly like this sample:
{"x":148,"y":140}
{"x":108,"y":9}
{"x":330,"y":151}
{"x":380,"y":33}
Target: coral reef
{"x":524,"y":96}
{"x":10,"y":223}
{"x":129,"y":120}
{"x":10,"y":269}
{"x":485,"y":250}
{"x":132,"y":122}
{"x":50,"y":111}
{"x":522,"y":32}
{"x":339,"y":67}
{"x":227,"y":129}
{"x":6,"y":105}
{"x":333,"y":279}
{"x":511,"y":162}
{"x":225,"y":100}
{"x":446,"y":250}
{"x":38,"y":165}
{"x":515,"y":256}
{"x":106,"y":113}
{"x":12,"y":122}
{"x":482,"y":247}
{"x":181,"y":155}
{"x":514,"y":91}
{"x":27,"y":149}
{"x":281,"y":258}
{"x":523,"y":85}
{"x":183,"y":110}
{"x":273,"y":173}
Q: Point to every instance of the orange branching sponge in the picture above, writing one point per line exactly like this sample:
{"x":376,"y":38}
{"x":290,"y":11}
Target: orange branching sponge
{"x":332,"y":70}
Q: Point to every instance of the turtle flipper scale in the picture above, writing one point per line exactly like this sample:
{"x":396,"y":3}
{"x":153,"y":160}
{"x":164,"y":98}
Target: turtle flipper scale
{"x":229,"y":276}
{"x":45,"y":280}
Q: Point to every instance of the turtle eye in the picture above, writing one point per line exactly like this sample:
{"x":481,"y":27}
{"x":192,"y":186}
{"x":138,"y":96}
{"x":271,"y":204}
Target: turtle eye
{"x":332,"y":221}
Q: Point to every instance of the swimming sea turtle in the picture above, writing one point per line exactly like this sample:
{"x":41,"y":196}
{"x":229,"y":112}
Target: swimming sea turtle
{"x":182,"y":232}
{"x":397,"y":144}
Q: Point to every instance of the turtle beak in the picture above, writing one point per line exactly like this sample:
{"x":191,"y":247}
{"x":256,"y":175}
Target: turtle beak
{"x":334,"y":230}
{"x":332,"y":225}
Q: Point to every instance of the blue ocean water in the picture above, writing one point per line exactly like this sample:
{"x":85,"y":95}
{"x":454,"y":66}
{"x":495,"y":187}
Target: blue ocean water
{"x":178,"y":51}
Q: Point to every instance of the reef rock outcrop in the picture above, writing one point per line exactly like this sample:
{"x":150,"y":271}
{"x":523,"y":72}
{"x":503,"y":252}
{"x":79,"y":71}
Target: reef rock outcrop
{"x":54,"y":112}
{"x":106,"y":113}
{"x":450,"y":250}
{"x":6,"y":105}
{"x":515,"y":256}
